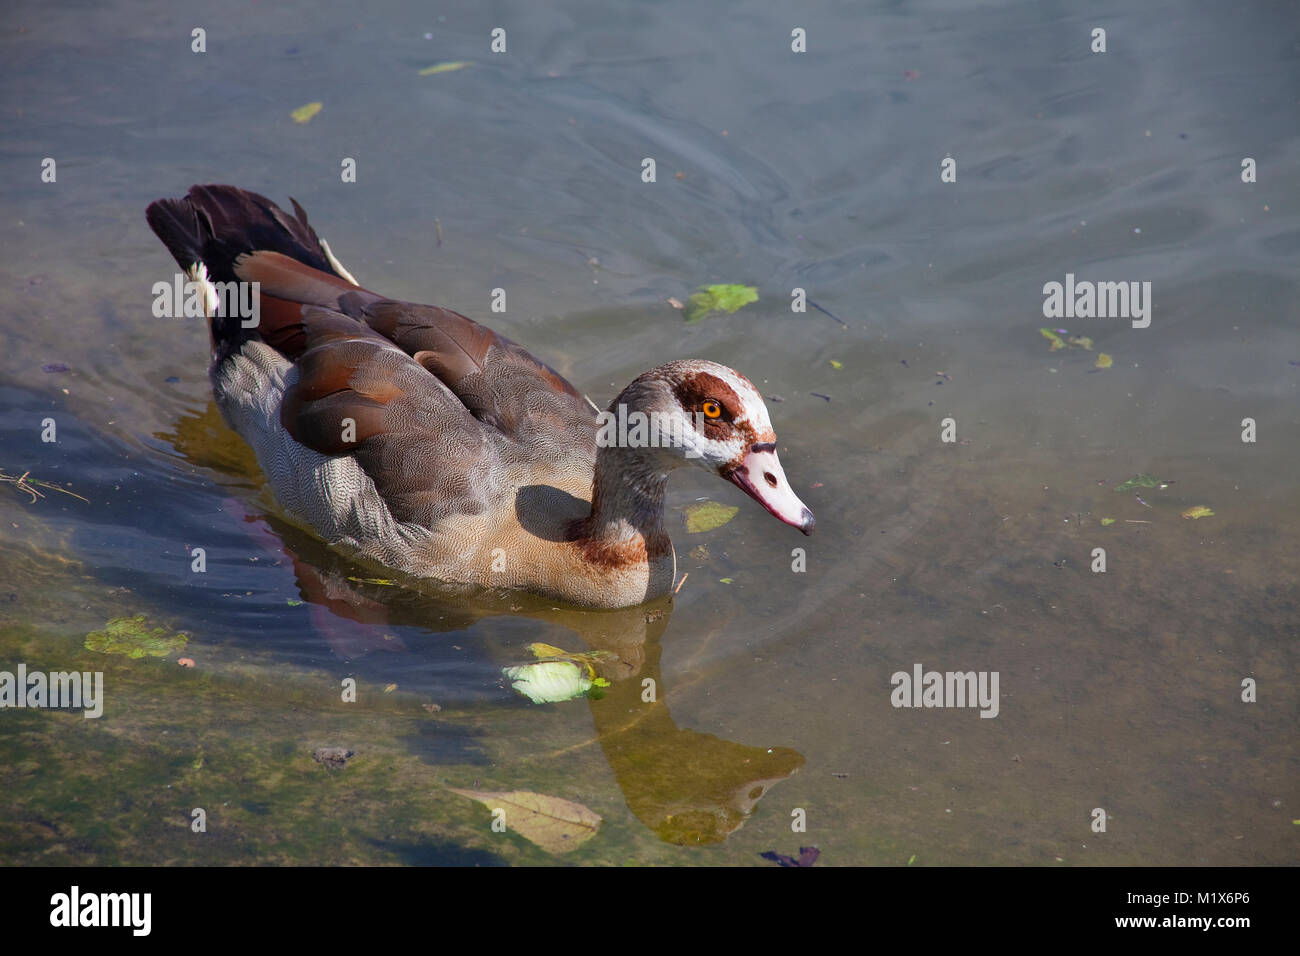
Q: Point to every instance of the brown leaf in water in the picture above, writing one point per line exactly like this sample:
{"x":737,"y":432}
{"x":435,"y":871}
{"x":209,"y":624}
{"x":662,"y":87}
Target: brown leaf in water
{"x":555,"y":825}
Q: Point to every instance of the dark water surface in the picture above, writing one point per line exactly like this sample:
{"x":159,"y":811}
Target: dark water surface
{"x":1120,"y":691}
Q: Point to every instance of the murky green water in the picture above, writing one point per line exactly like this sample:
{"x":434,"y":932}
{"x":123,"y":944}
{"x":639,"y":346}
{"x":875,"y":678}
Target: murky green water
{"x":1119,"y":691}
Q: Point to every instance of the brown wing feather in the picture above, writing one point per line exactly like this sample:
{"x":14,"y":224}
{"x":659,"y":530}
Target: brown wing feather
{"x":500,"y":382}
{"x":356,"y":393}
{"x":288,"y":278}
{"x":435,"y":397}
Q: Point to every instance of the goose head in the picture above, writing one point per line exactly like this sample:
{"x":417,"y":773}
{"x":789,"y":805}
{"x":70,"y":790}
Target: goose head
{"x":708,"y":415}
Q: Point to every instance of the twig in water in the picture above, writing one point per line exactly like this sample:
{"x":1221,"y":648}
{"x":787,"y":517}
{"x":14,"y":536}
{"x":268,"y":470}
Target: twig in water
{"x":827,"y":312}
{"x":32,"y":486}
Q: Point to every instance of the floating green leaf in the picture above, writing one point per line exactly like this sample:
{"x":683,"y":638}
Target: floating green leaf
{"x":445,"y":67}
{"x":1200,"y":511}
{"x":558,"y":675}
{"x":719,"y":298}
{"x":725,"y":580}
{"x":1142,"y":481}
{"x":1058,"y":343}
{"x":1104,"y":360}
{"x":707,"y":515}
{"x":1056,"y":340}
{"x":836,"y":365}
{"x":1106,"y":522}
{"x":303,"y":114}
{"x":132,"y":637}
{"x":548,"y":682}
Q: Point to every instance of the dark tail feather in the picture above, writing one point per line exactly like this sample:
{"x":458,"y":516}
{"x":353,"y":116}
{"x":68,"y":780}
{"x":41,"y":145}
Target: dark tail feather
{"x":217,"y":224}
{"x":239,"y":236}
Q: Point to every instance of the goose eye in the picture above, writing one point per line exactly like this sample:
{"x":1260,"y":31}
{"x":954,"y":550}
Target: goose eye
{"x":711,"y":409}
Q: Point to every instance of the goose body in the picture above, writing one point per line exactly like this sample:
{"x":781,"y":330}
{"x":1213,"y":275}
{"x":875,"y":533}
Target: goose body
{"x":422,"y":441}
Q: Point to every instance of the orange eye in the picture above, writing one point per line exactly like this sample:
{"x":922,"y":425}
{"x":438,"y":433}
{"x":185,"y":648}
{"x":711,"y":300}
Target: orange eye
{"x":712,"y":409}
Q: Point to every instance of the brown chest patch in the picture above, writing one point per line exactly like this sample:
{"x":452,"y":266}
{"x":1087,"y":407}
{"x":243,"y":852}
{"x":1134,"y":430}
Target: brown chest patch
{"x":620,"y":555}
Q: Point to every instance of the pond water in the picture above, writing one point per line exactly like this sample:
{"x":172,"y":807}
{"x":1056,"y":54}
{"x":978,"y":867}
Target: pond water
{"x":1119,"y":691}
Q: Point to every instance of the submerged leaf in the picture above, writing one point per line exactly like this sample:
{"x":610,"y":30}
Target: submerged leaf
{"x":132,"y":637}
{"x":707,"y":515}
{"x":1104,"y":360}
{"x":558,"y":675}
{"x":303,"y":114}
{"x":555,"y":825}
{"x":1056,"y":340}
{"x":1200,"y":511}
{"x":1142,"y":481}
{"x":719,"y":298}
{"x":587,"y":659}
{"x":549,"y":682}
{"x":1082,"y":341}
{"x":1107,"y":521}
{"x":445,"y":67}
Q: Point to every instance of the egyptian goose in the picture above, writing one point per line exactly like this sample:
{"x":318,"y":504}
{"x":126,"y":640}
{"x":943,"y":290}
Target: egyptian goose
{"x":416,"y":438}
